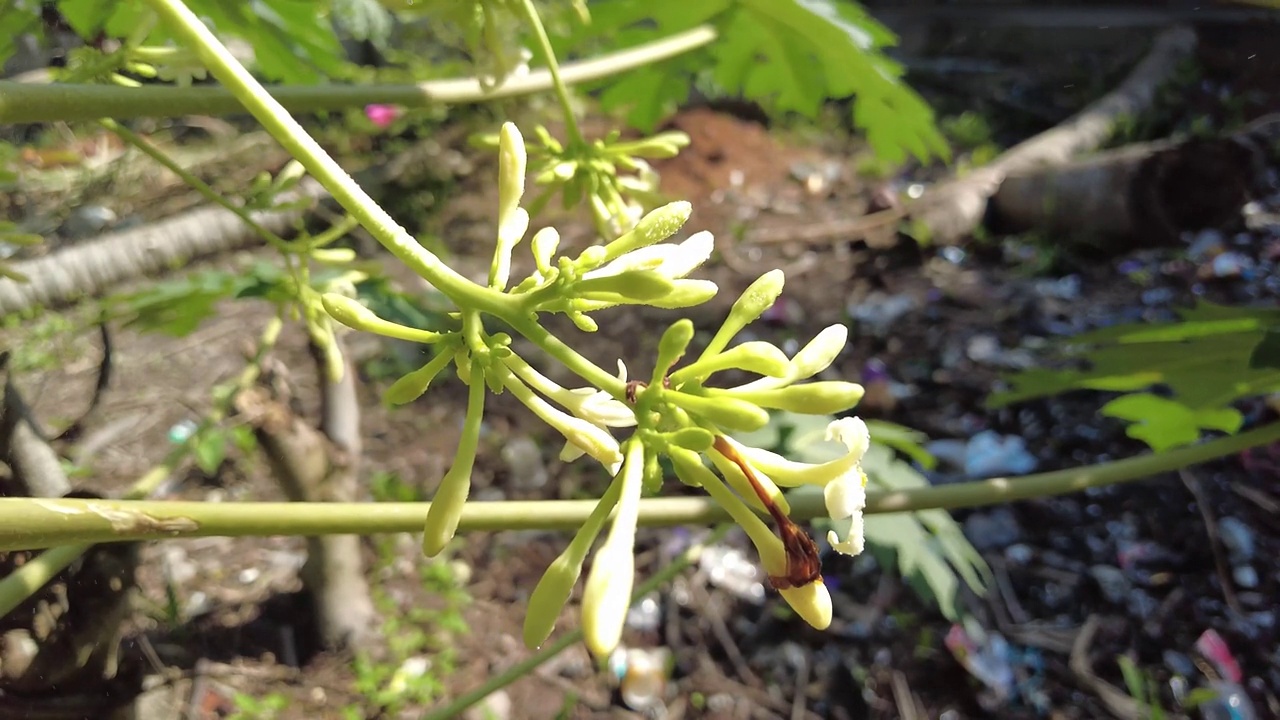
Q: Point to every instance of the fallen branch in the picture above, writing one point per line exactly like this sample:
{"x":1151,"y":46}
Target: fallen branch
{"x":1147,"y":193}
{"x":952,"y":210}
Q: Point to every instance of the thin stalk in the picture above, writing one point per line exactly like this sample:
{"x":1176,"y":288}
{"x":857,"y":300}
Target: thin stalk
{"x":553,"y":67}
{"x":524,"y":667}
{"x":27,"y":523}
{"x":39,"y":103}
{"x":345,"y":190}
{"x":194,"y":182}
{"x":24,"y":581}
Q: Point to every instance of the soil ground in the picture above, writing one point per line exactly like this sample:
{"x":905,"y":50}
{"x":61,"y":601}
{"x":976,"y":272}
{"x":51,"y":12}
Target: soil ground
{"x":224,"y":616}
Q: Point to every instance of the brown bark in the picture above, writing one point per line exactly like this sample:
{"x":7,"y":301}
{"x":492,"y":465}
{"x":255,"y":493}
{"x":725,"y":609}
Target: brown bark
{"x":953,"y":210}
{"x":1147,"y":193}
{"x":322,"y":465}
{"x":950,"y":212}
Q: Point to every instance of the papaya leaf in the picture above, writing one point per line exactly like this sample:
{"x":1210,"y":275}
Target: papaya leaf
{"x":791,"y":56}
{"x":1163,"y":423}
{"x":1204,"y":360}
{"x":177,"y":307}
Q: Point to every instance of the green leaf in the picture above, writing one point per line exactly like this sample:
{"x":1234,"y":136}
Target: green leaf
{"x":210,"y":450}
{"x":1266,"y":354}
{"x":788,"y":55}
{"x":177,"y":307}
{"x":1204,"y":360}
{"x":1163,"y":423}
{"x":366,"y":20}
{"x":18,"y":19}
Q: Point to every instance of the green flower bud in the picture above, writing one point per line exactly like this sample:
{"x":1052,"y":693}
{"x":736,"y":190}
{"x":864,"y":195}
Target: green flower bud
{"x":695,"y":439}
{"x":548,"y":140}
{"x":726,"y":412}
{"x":631,"y":286}
{"x":544,"y":245}
{"x":451,"y":496}
{"x":511,"y":169}
{"x":687,"y":293}
{"x":653,"y":474}
{"x":818,"y":354}
{"x":333,"y":256}
{"x":660,"y":146}
{"x":756,"y":356}
{"x":671,"y":348}
{"x":581,"y":321}
{"x":773,"y":556}
{"x":553,"y":590}
{"x":757,"y":298}
{"x":511,"y":229}
{"x":816,"y":398}
{"x":607,"y":594}
{"x":652,"y":228}
{"x":289,"y":176}
{"x":411,"y":386}
{"x":351,"y":313}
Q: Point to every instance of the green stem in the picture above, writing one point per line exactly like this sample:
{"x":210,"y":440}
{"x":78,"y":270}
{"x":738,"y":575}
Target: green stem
{"x":31,"y":576}
{"x":290,"y":134}
{"x":33,"y":103}
{"x":192,"y":181}
{"x":27,"y":523}
{"x":528,"y":665}
{"x":570,"y":358}
{"x":553,"y":67}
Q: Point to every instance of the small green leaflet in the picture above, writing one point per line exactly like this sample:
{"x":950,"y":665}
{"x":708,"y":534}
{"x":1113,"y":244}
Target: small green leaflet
{"x":366,"y":20}
{"x":1215,"y":356}
{"x":1163,"y":424}
{"x":1267,"y":353}
{"x":788,"y":55}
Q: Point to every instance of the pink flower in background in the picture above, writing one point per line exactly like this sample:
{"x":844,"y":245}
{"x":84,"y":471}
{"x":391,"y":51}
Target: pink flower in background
{"x":382,"y":115}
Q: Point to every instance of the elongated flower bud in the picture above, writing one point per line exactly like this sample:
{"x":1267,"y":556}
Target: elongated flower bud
{"x":727,"y":412}
{"x":446,"y":505}
{"x":815,"y":398}
{"x":675,"y":340}
{"x":351,"y":313}
{"x":411,"y":386}
{"x":607,"y":594}
{"x":749,"y":306}
{"x":756,"y":356}
{"x":655,"y":227}
{"x":553,"y":590}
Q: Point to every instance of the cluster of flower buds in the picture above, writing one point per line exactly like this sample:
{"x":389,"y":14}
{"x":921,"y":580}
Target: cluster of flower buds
{"x":675,"y":413}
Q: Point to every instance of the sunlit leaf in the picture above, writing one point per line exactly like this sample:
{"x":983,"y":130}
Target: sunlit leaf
{"x":788,"y":55}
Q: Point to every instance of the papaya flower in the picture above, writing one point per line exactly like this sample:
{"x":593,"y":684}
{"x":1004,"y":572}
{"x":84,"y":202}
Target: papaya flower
{"x":843,"y":481}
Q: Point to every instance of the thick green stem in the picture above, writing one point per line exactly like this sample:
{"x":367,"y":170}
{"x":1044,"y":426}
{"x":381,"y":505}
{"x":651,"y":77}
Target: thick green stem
{"x":27,"y":523}
{"x":290,"y":134}
{"x":33,"y":103}
{"x":553,"y":67}
{"x":528,"y":665}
